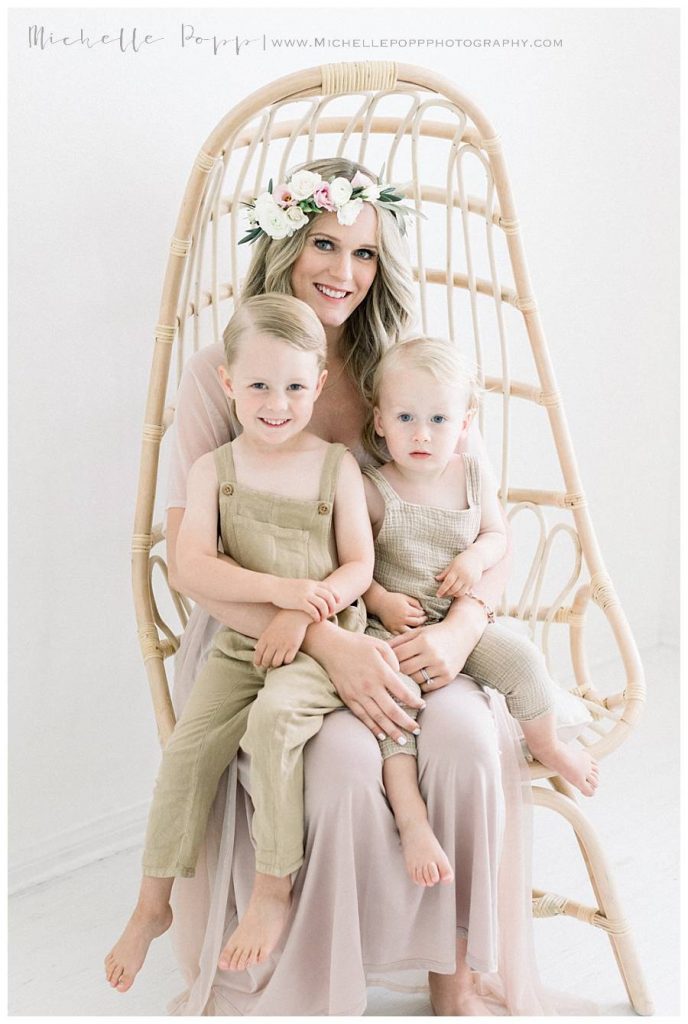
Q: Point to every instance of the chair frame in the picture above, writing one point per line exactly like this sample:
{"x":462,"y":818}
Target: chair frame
{"x":615,"y":715}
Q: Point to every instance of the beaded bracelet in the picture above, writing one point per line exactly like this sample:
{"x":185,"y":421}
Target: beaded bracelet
{"x":488,"y":610}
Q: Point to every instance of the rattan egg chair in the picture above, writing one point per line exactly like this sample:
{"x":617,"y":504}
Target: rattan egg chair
{"x":473,"y":284}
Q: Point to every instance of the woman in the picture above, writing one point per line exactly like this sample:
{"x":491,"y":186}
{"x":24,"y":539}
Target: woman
{"x":355,"y":916}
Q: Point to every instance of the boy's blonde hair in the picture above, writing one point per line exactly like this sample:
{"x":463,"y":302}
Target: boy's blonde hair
{"x":281,"y":316}
{"x":436,"y":356}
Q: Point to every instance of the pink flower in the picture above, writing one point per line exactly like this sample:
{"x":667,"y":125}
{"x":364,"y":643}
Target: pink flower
{"x":283,"y":196}
{"x":360,"y":180}
{"x":322,"y":198}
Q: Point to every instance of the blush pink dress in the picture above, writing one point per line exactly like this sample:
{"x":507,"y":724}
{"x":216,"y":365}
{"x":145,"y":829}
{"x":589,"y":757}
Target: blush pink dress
{"x":356,"y":918}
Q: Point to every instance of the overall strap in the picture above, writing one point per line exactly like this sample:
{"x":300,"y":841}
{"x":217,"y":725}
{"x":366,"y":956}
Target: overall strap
{"x":388,"y":493}
{"x":224,"y":463}
{"x":472,"y":469}
{"x":330,"y":471}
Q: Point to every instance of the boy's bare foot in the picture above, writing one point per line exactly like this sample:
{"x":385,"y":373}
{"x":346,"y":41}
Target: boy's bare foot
{"x":125,"y":959}
{"x":261,"y":926}
{"x":573,"y":764}
{"x":449,"y":998}
{"x":426,"y":861}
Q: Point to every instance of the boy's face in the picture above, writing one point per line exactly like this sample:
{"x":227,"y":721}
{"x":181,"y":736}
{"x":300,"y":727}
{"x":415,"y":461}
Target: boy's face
{"x":420,"y":419}
{"x":274,"y":387}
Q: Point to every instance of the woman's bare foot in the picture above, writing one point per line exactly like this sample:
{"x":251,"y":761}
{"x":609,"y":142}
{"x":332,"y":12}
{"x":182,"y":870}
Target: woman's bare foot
{"x":573,"y":763}
{"x":261,"y":926}
{"x":125,"y":959}
{"x":426,"y":861}
{"x":454,"y":996}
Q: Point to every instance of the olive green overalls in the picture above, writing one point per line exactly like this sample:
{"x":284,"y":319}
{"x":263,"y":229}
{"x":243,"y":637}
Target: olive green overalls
{"x":273,"y":712}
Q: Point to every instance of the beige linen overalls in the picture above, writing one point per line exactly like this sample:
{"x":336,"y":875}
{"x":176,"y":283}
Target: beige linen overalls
{"x":414,"y":544}
{"x":271,"y":713}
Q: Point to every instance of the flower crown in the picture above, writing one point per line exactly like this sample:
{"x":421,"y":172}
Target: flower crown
{"x":279,"y":212}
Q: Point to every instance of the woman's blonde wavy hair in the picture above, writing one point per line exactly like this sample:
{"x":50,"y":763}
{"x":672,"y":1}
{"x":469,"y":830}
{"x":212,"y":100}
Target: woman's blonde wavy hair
{"x":435,"y":356}
{"x":386,"y":311}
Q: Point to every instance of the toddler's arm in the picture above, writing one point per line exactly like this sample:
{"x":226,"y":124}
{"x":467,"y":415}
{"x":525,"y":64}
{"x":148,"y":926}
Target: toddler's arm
{"x":199,"y":563}
{"x":353,"y":537}
{"x":464,"y":571}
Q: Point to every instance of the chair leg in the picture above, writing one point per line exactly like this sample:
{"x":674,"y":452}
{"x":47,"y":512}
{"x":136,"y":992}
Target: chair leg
{"x":609,"y":916}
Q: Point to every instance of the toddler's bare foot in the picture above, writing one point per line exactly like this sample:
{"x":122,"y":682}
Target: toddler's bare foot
{"x":125,"y":959}
{"x":448,"y":998}
{"x":426,"y":861}
{"x":261,"y":926}
{"x":573,"y":763}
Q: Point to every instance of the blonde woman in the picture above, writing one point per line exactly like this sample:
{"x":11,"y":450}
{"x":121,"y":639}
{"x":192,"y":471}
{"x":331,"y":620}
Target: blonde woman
{"x":355,"y":917}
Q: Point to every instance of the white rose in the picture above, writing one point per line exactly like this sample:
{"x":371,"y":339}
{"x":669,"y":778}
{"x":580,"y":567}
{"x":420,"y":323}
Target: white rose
{"x":274,"y":221}
{"x":303,"y":184}
{"x":348,"y":213}
{"x":265,"y":199}
{"x":340,"y":191}
{"x":296,"y":216}
{"x":371,"y":193}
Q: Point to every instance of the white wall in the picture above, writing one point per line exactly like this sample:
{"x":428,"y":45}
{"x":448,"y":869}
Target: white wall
{"x":100,"y":147}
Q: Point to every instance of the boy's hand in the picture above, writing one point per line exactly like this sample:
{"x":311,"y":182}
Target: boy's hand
{"x":461,"y":575}
{"x":281,"y":641}
{"x":316,"y":599}
{"x":398,"y":613}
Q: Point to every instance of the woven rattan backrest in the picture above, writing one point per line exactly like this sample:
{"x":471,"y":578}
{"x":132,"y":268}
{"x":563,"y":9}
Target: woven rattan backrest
{"x":473,"y":286}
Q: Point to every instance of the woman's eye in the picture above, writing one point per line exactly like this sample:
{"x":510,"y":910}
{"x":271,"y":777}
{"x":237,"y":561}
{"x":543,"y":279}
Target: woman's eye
{"x":323,"y":243}
{"x":439,"y":419}
{"x":365,"y":254}
{"x":405,"y":417}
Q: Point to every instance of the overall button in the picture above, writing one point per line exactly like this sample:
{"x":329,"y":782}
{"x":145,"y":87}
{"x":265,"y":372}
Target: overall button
{"x":227,"y":489}
{"x":323,"y":508}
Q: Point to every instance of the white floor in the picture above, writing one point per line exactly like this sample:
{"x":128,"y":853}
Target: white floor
{"x":60,"y":930}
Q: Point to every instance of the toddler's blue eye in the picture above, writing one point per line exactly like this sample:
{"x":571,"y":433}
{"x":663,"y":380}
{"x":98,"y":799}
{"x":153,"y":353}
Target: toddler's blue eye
{"x":405,"y":417}
{"x":259,"y":385}
{"x":439,"y":419}
{"x":295,"y":387}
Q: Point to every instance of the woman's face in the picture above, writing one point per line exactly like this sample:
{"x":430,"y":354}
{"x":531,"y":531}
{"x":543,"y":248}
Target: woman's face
{"x":334,"y":272}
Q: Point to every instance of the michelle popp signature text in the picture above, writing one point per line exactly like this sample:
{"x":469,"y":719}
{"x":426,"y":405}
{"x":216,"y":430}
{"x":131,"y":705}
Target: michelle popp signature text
{"x":133,"y":40}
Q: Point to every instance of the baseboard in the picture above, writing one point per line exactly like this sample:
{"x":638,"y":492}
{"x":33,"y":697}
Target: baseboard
{"x":113,"y":833}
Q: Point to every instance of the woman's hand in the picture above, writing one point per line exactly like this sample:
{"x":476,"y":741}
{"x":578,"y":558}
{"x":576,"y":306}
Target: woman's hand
{"x":364,"y":672}
{"x":442,"y":648}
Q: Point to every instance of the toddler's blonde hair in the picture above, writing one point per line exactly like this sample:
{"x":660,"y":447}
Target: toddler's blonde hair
{"x":435,"y":356}
{"x":281,"y":316}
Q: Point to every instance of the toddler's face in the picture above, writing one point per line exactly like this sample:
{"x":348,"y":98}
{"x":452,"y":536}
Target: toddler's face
{"x":420,"y":419}
{"x":274,"y":387}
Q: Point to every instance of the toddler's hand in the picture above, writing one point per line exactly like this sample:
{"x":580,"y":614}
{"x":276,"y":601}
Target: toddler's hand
{"x":399,"y":613}
{"x":311,"y":596}
{"x":281,"y":641}
{"x":460,"y":575}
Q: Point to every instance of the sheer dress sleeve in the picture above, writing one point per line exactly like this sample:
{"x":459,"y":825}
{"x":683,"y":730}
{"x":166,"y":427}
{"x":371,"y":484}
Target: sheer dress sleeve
{"x":203,"y":419}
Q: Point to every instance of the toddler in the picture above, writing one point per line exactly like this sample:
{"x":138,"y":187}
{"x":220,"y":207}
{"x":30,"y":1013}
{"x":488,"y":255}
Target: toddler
{"x":285,"y":502}
{"x":437,"y":527}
